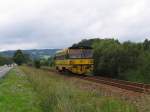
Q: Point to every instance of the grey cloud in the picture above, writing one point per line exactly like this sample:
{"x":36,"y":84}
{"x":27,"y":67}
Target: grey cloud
{"x":58,"y":24}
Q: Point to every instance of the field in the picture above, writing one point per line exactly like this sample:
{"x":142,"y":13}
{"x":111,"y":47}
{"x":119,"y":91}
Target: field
{"x":59,"y":95}
{"x":17,"y":94}
{"x":32,"y":90}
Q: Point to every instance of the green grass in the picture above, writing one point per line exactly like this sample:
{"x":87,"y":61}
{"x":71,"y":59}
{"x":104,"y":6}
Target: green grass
{"x":17,"y":94}
{"x":57,"y":94}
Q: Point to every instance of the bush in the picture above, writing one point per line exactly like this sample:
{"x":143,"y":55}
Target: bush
{"x":141,"y":72}
{"x":5,"y":60}
{"x":37,"y":63}
{"x":106,"y":56}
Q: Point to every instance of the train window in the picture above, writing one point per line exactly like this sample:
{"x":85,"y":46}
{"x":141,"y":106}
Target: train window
{"x":75,"y":53}
{"x":62,"y":57}
{"x":87,"y":53}
{"x":80,"y":53}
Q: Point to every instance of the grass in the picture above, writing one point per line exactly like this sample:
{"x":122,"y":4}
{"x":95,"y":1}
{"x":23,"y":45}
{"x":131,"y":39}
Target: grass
{"x":17,"y":94}
{"x":59,"y":95}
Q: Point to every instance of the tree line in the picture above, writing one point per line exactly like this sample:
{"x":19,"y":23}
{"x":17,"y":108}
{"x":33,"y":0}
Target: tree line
{"x":18,"y":58}
{"x":21,"y":58}
{"x":5,"y":60}
{"x":126,"y":60}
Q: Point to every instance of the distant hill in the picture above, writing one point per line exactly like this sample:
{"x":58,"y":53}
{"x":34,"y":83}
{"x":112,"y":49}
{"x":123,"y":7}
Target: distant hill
{"x":34,"y":53}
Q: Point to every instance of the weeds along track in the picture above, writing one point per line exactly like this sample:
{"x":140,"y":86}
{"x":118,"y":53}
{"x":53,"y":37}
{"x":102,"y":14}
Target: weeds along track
{"x":131,"y":86}
{"x":136,"y":87}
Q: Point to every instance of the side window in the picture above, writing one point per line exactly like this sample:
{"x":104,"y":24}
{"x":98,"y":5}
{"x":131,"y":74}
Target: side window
{"x":61,"y":57}
{"x":75,"y":53}
{"x":87,"y":53}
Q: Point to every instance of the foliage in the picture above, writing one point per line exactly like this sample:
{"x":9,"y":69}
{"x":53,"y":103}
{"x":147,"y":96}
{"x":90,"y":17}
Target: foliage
{"x":34,"y":54}
{"x":17,"y":94}
{"x":51,"y":61}
{"x":106,"y":57}
{"x":4,"y":60}
{"x":142,"y":70}
{"x":37,"y":63}
{"x":86,"y":42}
{"x":127,"y":60}
{"x":60,"y":95}
{"x":21,"y":58}
{"x":47,"y":62}
{"x":44,"y":62}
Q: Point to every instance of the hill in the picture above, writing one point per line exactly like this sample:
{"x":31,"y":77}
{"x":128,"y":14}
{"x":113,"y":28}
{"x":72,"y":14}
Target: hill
{"x":34,"y":53}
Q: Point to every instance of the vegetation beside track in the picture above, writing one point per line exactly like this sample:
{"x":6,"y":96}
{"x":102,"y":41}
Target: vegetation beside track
{"x":121,"y":60}
{"x":17,"y":94}
{"x":59,"y":95}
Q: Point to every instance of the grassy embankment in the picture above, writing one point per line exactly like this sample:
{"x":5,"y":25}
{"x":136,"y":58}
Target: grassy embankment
{"x":59,"y":95}
{"x":17,"y":94}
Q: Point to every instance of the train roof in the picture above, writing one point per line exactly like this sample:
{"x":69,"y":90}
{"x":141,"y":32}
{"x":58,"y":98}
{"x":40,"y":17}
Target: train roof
{"x":63,"y":51}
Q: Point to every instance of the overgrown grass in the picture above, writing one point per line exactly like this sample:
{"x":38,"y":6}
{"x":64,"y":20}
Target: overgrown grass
{"x":139,"y":76}
{"x":59,"y":95}
{"x":17,"y":94}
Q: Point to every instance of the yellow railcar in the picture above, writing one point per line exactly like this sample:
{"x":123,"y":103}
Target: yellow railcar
{"x":76,"y":60}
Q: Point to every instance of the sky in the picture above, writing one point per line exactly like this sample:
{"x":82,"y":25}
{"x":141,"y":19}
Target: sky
{"x":39,"y":24}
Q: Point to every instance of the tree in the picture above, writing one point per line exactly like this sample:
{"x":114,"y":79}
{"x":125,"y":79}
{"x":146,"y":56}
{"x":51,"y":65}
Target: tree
{"x":106,"y":57}
{"x":37,"y":63}
{"x":146,"y":44}
{"x":86,"y":42}
{"x":19,"y":57}
{"x":5,"y":60}
{"x":51,"y":61}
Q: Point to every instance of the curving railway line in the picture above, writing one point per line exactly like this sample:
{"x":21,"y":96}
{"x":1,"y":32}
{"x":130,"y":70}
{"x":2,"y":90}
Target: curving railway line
{"x":136,"y":87}
{"x":127,"y":85}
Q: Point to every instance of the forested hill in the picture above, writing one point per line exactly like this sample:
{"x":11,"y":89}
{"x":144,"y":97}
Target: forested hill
{"x":35,"y":53}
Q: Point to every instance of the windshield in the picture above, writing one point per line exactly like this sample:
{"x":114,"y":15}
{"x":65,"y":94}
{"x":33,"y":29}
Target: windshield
{"x":80,"y":53}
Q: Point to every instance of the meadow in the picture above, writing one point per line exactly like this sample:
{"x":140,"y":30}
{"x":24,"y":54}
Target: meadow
{"x":59,"y":95}
{"x":27,"y":89}
{"x":17,"y":94}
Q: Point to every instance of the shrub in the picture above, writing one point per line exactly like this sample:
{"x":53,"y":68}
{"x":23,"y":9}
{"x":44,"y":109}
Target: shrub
{"x":37,"y":63}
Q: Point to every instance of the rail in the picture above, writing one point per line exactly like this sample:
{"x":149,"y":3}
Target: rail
{"x":127,"y":85}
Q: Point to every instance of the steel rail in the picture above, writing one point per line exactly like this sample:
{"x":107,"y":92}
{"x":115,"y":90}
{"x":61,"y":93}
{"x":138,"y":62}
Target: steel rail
{"x":127,"y":85}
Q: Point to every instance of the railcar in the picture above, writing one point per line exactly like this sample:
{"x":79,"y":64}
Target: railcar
{"x":78,"y":60}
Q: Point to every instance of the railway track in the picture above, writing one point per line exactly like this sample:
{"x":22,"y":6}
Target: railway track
{"x":136,"y":87}
{"x":131,"y":86}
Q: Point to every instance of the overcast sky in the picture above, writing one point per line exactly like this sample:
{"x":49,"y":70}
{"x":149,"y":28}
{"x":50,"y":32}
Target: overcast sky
{"x":28,"y":24}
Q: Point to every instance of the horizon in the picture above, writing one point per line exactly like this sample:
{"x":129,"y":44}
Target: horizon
{"x":68,"y":46}
{"x":30,"y":49}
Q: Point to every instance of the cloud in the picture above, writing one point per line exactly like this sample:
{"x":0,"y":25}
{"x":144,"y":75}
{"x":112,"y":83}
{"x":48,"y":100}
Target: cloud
{"x":26,"y":24}
{"x":18,"y":46}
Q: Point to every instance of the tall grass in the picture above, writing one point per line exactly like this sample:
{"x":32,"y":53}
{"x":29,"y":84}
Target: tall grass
{"x":59,"y":95}
{"x":17,"y":94}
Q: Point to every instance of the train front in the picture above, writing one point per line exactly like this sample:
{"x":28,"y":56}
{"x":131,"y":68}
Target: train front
{"x":81,"y":60}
